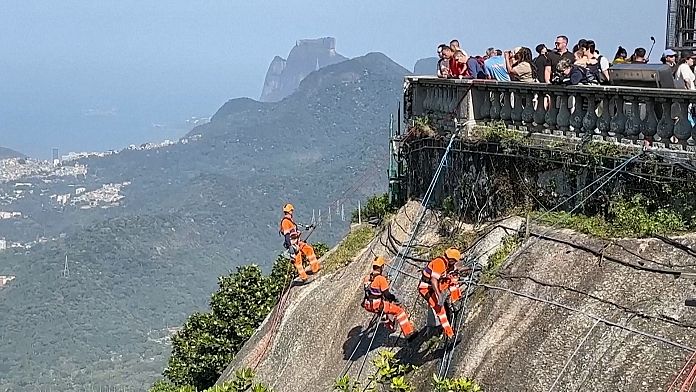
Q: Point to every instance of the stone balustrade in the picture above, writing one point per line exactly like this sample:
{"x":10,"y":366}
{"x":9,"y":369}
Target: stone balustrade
{"x":623,"y":114}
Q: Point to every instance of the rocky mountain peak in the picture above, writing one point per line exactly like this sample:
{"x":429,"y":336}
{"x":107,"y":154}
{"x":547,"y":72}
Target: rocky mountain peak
{"x":308,"y":55}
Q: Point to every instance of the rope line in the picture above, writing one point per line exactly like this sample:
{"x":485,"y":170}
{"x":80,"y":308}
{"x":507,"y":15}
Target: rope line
{"x":570,"y":358}
{"x":406,"y":248}
{"x":590,"y":315}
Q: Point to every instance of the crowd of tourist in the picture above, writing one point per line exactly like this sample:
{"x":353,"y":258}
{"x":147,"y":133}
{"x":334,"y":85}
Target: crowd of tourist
{"x":581,"y":65}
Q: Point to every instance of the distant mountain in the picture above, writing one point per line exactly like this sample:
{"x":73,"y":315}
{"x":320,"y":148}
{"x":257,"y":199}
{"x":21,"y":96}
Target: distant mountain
{"x":426,"y":66}
{"x":8,"y":153}
{"x":308,"y":55}
{"x":191,"y":213}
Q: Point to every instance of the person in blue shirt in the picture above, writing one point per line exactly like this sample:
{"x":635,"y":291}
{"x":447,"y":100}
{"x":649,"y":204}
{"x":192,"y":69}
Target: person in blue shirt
{"x":496,"y":69}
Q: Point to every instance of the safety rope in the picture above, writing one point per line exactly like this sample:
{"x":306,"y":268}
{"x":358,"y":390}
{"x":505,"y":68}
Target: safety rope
{"x":609,"y":175}
{"x":570,"y":358}
{"x":589,"y":315}
{"x":406,"y":248}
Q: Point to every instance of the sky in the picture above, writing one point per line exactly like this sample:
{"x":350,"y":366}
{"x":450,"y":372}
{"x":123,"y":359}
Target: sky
{"x":85,"y":75}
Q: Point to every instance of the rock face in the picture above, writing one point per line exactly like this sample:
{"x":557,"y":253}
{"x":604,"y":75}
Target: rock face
{"x":308,"y":55}
{"x":426,"y":66}
{"x":510,"y":343}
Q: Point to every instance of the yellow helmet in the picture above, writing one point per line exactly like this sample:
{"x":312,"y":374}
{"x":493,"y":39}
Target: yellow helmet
{"x":453,"y":253}
{"x":378,"y":261}
{"x":288,"y":208}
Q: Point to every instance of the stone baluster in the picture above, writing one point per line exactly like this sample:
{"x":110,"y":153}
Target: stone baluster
{"x":482,"y":103}
{"x":633,"y":122}
{"x":604,"y":121}
{"x":563,"y":118}
{"x":428,"y":101}
{"x":649,"y":126}
{"x":578,"y":114}
{"x":506,"y":110}
{"x":665,"y":126}
{"x":528,"y":112}
{"x":589,"y":122}
{"x":518,"y":101}
{"x":552,"y":113}
{"x":540,"y":113}
{"x":495,"y":105}
{"x":682,"y":128}
{"x":618,"y":122}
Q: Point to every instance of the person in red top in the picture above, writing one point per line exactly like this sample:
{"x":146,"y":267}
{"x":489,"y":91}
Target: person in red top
{"x":439,"y":277}
{"x":379,"y":299}
{"x":297,"y":247}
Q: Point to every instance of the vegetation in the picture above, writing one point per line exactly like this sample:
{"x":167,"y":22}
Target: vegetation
{"x":243,"y":382}
{"x":462,"y":384}
{"x":636,"y":217}
{"x":376,"y":206}
{"x":349,"y":248}
{"x":422,"y":127}
{"x":389,"y":376}
{"x":496,"y":260}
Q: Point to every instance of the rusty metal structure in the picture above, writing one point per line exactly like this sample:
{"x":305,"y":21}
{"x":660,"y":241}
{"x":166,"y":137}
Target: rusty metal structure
{"x":681,"y":24}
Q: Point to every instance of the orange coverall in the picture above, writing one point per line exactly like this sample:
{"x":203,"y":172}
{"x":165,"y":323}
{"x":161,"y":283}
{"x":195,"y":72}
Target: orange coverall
{"x":376,"y":286}
{"x":298,"y":248}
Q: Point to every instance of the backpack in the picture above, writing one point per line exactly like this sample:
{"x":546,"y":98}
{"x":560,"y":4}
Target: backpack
{"x":593,"y":73}
{"x":602,"y":79}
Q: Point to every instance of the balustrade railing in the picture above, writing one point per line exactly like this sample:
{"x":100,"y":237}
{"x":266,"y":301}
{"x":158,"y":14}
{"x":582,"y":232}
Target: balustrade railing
{"x":624,"y":114}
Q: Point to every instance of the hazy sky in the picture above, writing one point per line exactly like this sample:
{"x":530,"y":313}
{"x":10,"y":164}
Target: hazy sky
{"x":93,"y":75}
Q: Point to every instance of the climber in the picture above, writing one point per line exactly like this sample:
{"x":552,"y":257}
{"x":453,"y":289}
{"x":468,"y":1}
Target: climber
{"x":378,"y":299}
{"x":295,"y":246}
{"x":440,"y":278}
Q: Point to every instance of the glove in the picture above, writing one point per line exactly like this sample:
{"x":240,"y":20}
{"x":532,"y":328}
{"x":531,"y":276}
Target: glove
{"x":309,"y":227}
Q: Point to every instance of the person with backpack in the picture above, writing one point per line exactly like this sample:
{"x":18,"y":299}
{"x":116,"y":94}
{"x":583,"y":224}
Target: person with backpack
{"x":602,"y":68}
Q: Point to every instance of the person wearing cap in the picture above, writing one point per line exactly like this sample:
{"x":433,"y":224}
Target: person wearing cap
{"x":669,"y":57}
{"x":295,"y":246}
{"x":439,"y":277}
{"x":378,"y":299}
{"x":684,"y":77}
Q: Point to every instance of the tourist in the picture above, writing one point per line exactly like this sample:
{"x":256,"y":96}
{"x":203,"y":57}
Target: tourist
{"x":602,"y":62}
{"x":571,"y":74}
{"x":519,"y":65}
{"x":474,"y":69}
{"x":454,"y":44}
{"x":561,"y":52}
{"x":638,"y":56}
{"x":459,"y":69}
{"x":443,"y":69}
{"x":669,"y":57}
{"x":684,"y":77}
{"x":542,"y":64}
{"x":495,"y":66}
{"x":620,"y":56}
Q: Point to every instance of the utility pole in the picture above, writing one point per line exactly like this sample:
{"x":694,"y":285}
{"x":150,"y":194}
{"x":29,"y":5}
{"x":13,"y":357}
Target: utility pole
{"x":359,"y":213}
{"x":66,"y":270}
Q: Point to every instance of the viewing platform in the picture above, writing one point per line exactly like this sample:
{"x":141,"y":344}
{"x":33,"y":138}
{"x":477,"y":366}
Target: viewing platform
{"x":600,"y":113}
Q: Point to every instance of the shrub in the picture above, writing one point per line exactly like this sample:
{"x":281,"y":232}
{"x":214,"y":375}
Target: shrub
{"x":462,"y":384}
{"x":376,"y":206}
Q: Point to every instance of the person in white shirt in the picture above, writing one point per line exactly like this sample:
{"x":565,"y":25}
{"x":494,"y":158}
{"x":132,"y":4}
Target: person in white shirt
{"x":685,"y":73}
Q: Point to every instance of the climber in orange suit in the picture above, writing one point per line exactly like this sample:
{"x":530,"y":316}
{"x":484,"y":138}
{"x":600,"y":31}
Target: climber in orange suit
{"x":378,"y":299}
{"x":295,"y":246}
{"x":439,"y":277}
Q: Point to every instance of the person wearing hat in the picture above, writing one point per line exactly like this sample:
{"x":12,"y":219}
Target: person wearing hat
{"x":439,"y":277}
{"x":297,"y":248}
{"x":684,"y":77}
{"x":378,"y":299}
{"x":669,"y":57}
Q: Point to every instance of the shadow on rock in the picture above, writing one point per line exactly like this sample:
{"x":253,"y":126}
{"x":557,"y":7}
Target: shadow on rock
{"x":422,"y":349}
